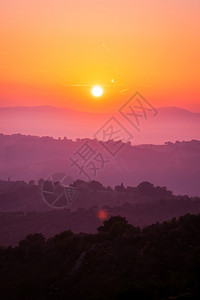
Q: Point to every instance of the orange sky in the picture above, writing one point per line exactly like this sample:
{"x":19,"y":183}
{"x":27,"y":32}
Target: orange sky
{"x":148,"y":45}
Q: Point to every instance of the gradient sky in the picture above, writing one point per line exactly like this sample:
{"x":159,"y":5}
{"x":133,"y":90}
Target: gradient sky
{"x":147,"y":45}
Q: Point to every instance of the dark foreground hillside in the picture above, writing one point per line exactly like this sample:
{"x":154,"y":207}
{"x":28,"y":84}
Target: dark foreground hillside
{"x":21,"y":209}
{"x":119,"y":262}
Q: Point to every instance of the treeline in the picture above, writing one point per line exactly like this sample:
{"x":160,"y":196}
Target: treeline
{"x":23,"y":211}
{"x":20,"y":195}
{"x":175,"y":165}
{"x":120,"y":261}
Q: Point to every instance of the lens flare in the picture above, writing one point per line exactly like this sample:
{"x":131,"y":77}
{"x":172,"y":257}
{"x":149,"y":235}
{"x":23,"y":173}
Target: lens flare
{"x":102,"y":214}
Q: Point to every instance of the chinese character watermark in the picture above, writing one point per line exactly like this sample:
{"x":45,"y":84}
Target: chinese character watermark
{"x":137,"y":108}
{"x":112,"y":136}
{"x":88,"y":161}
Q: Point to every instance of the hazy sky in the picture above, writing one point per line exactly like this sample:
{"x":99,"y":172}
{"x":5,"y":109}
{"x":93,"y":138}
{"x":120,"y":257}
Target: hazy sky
{"x":147,"y":45}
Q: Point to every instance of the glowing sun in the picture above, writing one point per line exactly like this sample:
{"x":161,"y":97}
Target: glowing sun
{"x":97,"y":91}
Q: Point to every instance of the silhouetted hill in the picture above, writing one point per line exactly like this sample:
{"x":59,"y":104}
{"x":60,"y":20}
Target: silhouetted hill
{"x":175,"y":165}
{"x":121,"y":261}
{"x":23,"y":211}
{"x":19,"y":195}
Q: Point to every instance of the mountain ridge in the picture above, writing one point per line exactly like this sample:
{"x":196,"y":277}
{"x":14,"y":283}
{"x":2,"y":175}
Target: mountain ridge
{"x":170,"y":124}
{"x":175,"y":165}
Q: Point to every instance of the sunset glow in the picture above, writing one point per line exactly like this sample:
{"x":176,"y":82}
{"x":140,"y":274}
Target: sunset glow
{"x":149,"y":46}
{"x":99,"y":149}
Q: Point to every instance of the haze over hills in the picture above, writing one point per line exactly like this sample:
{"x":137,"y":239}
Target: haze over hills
{"x":175,"y":165}
{"x":170,"y":124}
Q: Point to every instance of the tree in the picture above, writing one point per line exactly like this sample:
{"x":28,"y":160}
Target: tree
{"x":40,"y":181}
{"x":120,"y":188}
{"x":95,"y":185}
{"x":31,"y":182}
{"x":109,"y":188}
{"x":32,"y":246}
{"x":32,"y":239}
{"x":78,"y":183}
{"x":115,"y":225}
{"x":63,"y":235}
{"x":145,"y":187}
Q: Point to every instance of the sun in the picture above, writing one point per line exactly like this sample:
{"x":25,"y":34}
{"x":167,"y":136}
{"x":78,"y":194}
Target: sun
{"x":97,"y":91}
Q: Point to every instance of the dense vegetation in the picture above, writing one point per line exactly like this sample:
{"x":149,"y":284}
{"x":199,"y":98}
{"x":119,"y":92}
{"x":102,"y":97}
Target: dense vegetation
{"x":120,"y":261}
{"x":22,"y":210}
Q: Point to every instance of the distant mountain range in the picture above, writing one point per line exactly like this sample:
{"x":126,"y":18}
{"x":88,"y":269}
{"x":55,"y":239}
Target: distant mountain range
{"x":170,"y":124}
{"x":175,"y":165}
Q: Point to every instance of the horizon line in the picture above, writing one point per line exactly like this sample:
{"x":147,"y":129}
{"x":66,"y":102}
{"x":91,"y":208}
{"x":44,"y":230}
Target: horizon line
{"x":83,"y":111}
